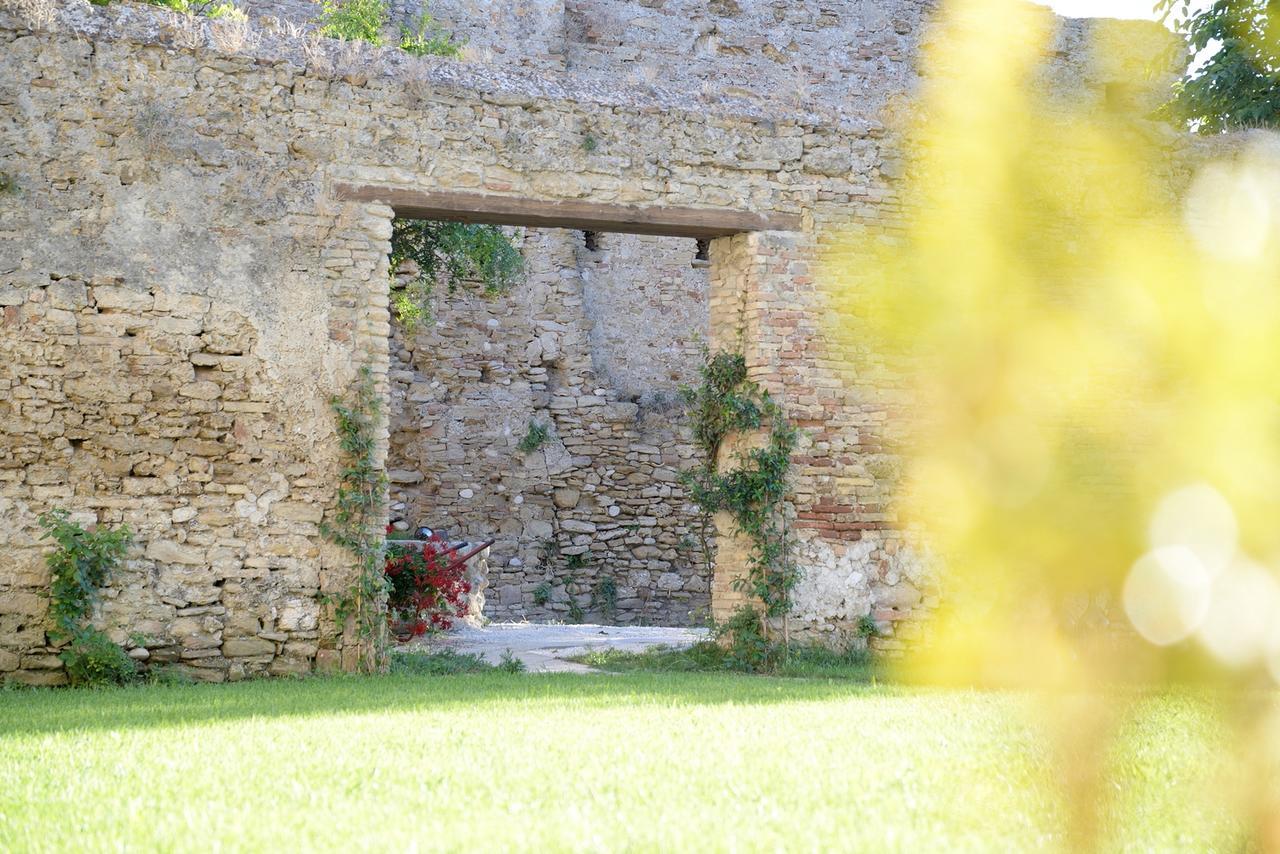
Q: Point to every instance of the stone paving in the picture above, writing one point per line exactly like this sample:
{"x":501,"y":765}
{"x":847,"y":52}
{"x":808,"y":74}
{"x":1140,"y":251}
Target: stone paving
{"x":544,"y":648}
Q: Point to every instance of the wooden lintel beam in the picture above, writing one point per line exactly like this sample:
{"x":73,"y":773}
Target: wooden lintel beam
{"x":583,"y":216}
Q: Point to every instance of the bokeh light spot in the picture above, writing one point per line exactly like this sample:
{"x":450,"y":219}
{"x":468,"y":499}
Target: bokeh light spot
{"x":1199,"y":518}
{"x":1166,"y":595}
{"x":1242,"y":606}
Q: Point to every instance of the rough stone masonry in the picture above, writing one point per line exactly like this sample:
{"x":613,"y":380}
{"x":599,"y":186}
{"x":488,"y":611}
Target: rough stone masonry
{"x":182,"y":292}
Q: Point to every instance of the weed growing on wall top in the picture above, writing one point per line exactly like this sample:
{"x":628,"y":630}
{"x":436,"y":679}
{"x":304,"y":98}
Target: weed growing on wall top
{"x":354,"y":20}
{"x":365,"y":21}
{"x":428,"y":38}
{"x":209,"y":8}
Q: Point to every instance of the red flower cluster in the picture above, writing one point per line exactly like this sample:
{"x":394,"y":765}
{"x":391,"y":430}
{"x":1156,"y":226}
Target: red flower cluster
{"x":425,"y":592}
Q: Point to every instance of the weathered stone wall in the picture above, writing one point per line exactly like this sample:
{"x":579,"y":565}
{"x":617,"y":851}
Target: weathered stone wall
{"x":166,"y":360}
{"x":592,"y":345}
{"x":183,"y":294}
{"x":835,"y":54}
{"x":527,"y":33}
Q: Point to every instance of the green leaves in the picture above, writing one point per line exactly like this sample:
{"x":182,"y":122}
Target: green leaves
{"x":753,"y":490}
{"x":428,"y":39}
{"x":93,"y":659}
{"x":354,"y":20}
{"x":1238,"y":84}
{"x":457,"y":252}
{"x":364,"y":20}
{"x":358,"y":506}
{"x":534,"y":438}
{"x":79,"y":566}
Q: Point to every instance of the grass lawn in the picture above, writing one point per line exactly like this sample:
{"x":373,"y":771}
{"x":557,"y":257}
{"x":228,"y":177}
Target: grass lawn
{"x":639,"y":761}
{"x":711,"y":657}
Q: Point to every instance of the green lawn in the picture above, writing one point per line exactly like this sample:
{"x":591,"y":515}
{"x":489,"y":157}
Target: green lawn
{"x":641,"y":761}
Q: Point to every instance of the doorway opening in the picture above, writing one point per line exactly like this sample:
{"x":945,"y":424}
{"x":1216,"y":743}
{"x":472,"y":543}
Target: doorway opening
{"x":549,"y":418}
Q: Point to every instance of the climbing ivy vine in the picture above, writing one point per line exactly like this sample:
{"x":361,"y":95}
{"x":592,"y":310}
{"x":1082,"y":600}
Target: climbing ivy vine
{"x":355,"y":523}
{"x":753,"y":490}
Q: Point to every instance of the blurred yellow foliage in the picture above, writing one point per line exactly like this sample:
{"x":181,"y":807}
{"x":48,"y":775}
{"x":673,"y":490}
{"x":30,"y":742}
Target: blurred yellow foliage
{"x":1085,"y":310}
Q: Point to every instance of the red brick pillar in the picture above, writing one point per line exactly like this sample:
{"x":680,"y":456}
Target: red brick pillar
{"x":760,"y":289}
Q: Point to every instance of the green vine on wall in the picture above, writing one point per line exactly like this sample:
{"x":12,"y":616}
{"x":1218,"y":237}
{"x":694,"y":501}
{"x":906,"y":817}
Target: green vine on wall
{"x":753,"y":490}
{"x":356,"y":520}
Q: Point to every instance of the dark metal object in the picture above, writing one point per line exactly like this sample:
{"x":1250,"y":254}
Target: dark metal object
{"x":469,"y":555}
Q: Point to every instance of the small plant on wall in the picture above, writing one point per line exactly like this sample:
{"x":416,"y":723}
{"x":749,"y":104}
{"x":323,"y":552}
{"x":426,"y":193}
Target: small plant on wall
{"x":79,"y":566}
{"x":604,"y":597}
{"x":534,"y":438}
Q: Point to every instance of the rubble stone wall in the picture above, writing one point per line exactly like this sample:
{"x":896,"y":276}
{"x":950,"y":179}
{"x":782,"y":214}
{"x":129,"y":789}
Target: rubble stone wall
{"x":183,"y":295}
{"x":592,"y":345}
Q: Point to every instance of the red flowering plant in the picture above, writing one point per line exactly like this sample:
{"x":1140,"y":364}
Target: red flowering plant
{"x":426,"y":592}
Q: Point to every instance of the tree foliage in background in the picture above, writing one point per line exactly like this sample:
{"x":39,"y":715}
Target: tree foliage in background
{"x":453,"y":252}
{"x":1238,"y":84}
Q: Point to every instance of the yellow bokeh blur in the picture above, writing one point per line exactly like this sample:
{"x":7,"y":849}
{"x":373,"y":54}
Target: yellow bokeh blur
{"x":1083,"y":310}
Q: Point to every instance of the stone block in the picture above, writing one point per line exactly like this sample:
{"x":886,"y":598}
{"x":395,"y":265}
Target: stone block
{"x":122,"y":299}
{"x":247,"y":647}
{"x":167,"y":551}
{"x":22,"y":603}
{"x":565,"y":498}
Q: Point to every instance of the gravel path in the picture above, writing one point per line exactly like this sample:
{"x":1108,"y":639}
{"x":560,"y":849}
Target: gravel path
{"x":543,"y":648}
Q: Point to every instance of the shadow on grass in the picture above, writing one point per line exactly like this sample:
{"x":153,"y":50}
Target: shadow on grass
{"x":24,"y":712}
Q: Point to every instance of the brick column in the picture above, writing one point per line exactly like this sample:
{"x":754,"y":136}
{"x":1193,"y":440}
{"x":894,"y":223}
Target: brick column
{"x":766,"y":304}
{"x":759,"y":282}
{"x":356,"y":261}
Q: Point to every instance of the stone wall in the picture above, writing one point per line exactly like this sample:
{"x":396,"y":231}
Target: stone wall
{"x":528,"y":33}
{"x":820,"y":55}
{"x":594,"y":346}
{"x":183,"y":293}
{"x":838,"y":53}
